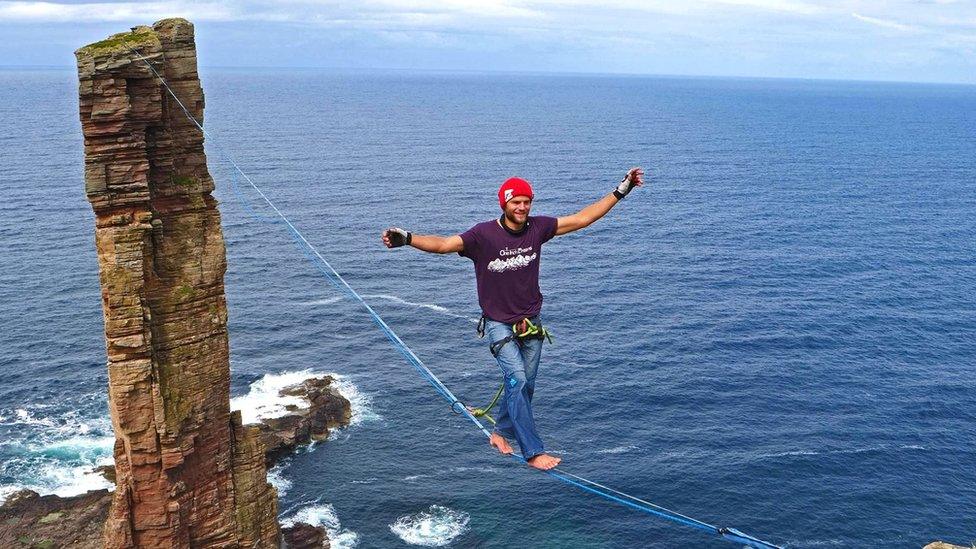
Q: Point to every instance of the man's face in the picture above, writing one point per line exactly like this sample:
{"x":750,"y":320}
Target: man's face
{"x":517,"y":209}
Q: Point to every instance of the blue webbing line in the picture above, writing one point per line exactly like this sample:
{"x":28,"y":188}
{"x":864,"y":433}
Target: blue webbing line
{"x":340,"y":283}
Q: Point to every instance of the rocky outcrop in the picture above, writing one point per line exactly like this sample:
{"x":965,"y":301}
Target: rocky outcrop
{"x":188,"y":472}
{"x":305,"y":536}
{"x":327,"y":410}
{"x":944,"y":545}
{"x":30,"y":520}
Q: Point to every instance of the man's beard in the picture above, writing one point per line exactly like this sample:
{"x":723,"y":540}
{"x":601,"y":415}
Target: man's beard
{"x":513,"y":220}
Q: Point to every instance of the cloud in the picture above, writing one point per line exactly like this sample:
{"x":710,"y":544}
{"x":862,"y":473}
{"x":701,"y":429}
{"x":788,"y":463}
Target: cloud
{"x":785,"y":6}
{"x":888,"y":24}
{"x":408,"y":11}
{"x":53,"y":12}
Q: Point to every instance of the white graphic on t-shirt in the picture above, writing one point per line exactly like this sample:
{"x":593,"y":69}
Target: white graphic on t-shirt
{"x":500,"y":265}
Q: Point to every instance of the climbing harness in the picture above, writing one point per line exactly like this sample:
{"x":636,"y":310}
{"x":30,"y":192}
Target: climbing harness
{"x":340,"y":283}
{"x":521,"y":330}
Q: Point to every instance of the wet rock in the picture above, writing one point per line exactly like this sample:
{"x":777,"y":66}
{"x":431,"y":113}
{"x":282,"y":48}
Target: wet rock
{"x":304,"y":536}
{"x":325,"y":410}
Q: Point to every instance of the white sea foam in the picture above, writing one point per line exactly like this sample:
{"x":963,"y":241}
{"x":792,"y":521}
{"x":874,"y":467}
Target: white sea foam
{"x":360,"y":403}
{"x":325,"y":516}
{"x":841,"y":451}
{"x":47,"y":475}
{"x":6,"y":490}
{"x":429,"y":306}
{"x":451,"y":471}
{"x":56,"y":454}
{"x":435,"y":527}
{"x":265,"y":401}
{"x":619,"y":449}
{"x":276,"y":476}
{"x":70,"y":423}
{"x":326,"y":301}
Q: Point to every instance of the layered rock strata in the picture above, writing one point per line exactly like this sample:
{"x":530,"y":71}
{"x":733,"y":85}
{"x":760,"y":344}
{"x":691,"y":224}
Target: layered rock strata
{"x":188,"y":472}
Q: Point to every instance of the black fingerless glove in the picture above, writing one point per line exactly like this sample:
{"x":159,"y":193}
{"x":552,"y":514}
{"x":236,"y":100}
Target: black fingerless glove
{"x":625,"y":186}
{"x":398,"y":237}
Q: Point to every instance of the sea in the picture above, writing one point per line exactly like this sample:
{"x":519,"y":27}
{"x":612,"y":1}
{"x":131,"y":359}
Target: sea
{"x":776,"y":333}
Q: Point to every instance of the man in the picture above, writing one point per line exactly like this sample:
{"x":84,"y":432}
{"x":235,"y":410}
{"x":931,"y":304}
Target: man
{"x":506,"y":254}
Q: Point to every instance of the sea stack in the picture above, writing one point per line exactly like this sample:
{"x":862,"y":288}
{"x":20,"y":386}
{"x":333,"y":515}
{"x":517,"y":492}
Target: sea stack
{"x":188,"y":473}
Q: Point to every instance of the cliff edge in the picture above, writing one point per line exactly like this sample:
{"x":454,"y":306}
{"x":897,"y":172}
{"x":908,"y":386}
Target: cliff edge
{"x":188,"y":472}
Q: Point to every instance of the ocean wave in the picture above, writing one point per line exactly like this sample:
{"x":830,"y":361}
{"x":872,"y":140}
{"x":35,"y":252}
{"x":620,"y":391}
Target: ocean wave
{"x":7,"y":490}
{"x":429,"y":306}
{"x":264,"y":400}
{"x":360,"y":403}
{"x":54,"y":476}
{"x":841,"y":451}
{"x":435,"y":527}
{"x":325,"y":516}
{"x":55,"y":453}
{"x":70,"y":423}
{"x":276,"y":476}
{"x":619,"y":449}
{"x":326,"y":301}
{"x":451,"y":471}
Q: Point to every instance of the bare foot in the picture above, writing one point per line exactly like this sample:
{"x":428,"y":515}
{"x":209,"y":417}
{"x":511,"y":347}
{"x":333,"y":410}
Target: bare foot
{"x":544,"y":462}
{"x":498,"y":441}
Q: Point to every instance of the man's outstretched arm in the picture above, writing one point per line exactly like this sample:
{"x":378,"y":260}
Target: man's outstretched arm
{"x":395,"y":237}
{"x":588,"y":215}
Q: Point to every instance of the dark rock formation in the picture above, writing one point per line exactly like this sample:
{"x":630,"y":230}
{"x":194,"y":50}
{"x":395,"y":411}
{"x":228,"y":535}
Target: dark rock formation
{"x":29,"y":520}
{"x":327,"y":410}
{"x":188,"y":473}
{"x":305,"y":536}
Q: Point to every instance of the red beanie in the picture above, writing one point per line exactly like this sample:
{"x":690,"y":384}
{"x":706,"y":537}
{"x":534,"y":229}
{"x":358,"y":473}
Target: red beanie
{"x":512,"y":187}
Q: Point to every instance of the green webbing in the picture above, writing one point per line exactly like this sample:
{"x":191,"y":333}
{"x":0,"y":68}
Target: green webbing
{"x":483,"y":412}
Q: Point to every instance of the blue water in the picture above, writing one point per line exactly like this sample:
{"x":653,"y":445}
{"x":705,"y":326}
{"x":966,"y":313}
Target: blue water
{"x":775,"y":334}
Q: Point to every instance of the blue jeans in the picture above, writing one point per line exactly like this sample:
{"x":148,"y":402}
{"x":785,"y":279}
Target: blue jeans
{"x":519,"y":361}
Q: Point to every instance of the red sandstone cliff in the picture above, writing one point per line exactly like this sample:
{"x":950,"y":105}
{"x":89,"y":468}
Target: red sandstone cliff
{"x":189,"y":474}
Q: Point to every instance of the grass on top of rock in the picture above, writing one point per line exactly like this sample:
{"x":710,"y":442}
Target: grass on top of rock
{"x":122,"y":42}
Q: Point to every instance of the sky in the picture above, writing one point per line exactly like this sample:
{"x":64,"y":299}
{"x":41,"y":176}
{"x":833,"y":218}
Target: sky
{"x":899,"y":40}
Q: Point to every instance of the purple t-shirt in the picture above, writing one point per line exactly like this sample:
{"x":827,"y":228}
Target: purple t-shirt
{"x":506,"y":266}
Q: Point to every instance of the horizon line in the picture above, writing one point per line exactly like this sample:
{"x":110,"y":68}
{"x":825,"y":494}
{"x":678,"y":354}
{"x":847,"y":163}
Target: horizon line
{"x":540,"y":72}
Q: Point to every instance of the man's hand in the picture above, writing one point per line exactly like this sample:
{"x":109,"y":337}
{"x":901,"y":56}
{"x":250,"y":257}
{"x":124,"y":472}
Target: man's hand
{"x":634,"y":178}
{"x":394,"y":237}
